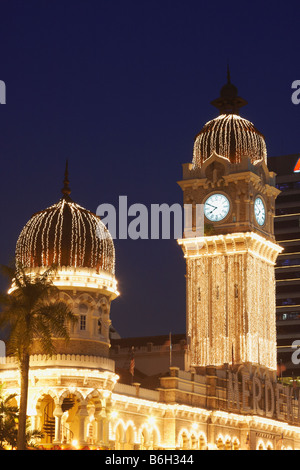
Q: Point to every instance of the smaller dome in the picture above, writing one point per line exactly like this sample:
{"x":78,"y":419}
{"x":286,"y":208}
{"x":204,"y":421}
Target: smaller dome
{"x":229,"y":102}
{"x":229,"y":135}
{"x":66,"y":235}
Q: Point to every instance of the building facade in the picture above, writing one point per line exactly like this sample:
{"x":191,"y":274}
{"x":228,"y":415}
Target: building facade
{"x":221,"y":391}
{"x":287,"y":271}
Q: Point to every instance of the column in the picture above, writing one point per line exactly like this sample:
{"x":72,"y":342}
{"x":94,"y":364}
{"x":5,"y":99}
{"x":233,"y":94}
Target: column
{"x":82,"y":414}
{"x":105,"y":421}
{"x":99,"y":428}
{"x":57,"y":413}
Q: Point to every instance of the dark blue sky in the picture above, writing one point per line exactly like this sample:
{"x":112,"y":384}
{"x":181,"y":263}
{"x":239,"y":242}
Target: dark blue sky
{"x":121,"y":88}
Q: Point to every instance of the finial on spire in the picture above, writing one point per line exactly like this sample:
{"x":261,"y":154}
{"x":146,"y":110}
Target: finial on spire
{"x":228,"y":74}
{"x":66,"y":189}
{"x":229,"y":102}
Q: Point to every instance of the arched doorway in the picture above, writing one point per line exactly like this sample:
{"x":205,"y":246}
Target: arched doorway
{"x":46,"y":408}
{"x":69,"y":420}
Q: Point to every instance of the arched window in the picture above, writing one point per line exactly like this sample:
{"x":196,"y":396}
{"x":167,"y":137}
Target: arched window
{"x":235,"y":444}
{"x":154,"y":439}
{"x":202,"y":443}
{"x":184,"y":441}
{"x":129,"y":439}
{"x":119,"y":443}
{"x":228,"y":445}
{"x":260,"y":446}
{"x":83,"y":311}
{"x":194,"y":442}
{"x":220,"y":444}
{"x":144,"y":440}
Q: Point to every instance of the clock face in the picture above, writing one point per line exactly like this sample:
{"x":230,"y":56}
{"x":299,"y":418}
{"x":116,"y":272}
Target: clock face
{"x":216,"y":207}
{"x":259,"y":211}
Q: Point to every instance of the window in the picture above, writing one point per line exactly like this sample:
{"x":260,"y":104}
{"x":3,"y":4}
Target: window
{"x":82,"y":322}
{"x":199,"y":294}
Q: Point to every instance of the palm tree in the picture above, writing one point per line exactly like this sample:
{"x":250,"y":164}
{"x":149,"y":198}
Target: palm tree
{"x":9,"y":414}
{"x":8,"y":419}
{"x":33,"y":313}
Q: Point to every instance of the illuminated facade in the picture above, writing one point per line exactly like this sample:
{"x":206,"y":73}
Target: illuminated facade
{"x":224,"y":393}
{"x":230,"y":274}
{"x":287,"y":271}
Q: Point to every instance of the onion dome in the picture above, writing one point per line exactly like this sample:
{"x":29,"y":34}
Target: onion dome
{"x":229,"y":135}
{"x":66,"y":235}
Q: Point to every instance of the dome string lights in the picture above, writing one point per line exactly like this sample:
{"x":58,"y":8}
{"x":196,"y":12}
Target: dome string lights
{"x":229,"y":135}
{"x":66,"y":235}
{"x":232,"y":137}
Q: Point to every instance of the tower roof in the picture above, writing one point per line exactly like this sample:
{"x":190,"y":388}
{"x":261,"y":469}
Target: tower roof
{"x":229,"y":102}
{"x":229,"y":135}
{"x":66,"y":235}
{"x":232,"y":137}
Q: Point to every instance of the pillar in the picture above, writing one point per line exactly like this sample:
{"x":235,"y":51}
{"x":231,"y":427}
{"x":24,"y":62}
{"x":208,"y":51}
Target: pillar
{"x":82,"y":415}
{"x":99,"y":428}
{"x":57,"y":413}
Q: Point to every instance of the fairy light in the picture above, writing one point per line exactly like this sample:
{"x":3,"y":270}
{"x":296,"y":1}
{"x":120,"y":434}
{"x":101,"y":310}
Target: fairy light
{"x":233,"y":320}
{"x":66,"y":234}
{"x":232,"y":137}
{"x":87,"y":278}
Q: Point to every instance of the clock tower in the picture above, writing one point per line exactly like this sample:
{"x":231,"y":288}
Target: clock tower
{"x":230,"y":281}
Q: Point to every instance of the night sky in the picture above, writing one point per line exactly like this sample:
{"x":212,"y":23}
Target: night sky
{"x":120,"y":89}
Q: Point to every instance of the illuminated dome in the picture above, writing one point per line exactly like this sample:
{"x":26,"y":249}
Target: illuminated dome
{"x":229,"y":135}
{"x":66,"y":235}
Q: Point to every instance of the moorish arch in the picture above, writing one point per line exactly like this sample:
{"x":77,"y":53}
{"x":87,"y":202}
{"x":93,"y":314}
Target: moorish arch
{"x":202,"y":441}
{"x":144,"y":436}
{"x":220,"y":442}
{"x":184,"y":439}
{"x":130,"y":435}
{"x":84,"y":299}
{"x":44,"y":419}
{"x":119,"y":434}
{"x":194,"y":441}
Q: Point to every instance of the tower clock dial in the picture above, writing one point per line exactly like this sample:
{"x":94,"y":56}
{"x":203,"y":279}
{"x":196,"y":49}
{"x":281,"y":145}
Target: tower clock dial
{"x":259,"y":211}
{"x":216,"y":207}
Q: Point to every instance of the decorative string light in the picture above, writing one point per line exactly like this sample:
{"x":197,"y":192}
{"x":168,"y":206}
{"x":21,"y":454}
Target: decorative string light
{"x":66,"y":234}
{"x":232,"y":137}
{"x":234,"y":319}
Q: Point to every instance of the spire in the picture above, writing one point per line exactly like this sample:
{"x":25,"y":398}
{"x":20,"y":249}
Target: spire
{"x":229,"y":102}
{"x":66,"y":189}
{"x":228,"y":75}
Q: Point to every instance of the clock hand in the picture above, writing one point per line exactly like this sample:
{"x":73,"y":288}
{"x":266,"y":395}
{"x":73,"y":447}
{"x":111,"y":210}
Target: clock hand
{"x":213,"y":210}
